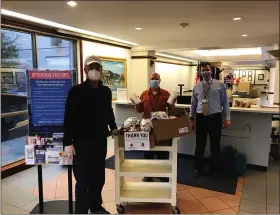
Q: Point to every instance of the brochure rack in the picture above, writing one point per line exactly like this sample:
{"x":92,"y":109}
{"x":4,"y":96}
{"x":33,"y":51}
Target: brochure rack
{"x":154,"y":192}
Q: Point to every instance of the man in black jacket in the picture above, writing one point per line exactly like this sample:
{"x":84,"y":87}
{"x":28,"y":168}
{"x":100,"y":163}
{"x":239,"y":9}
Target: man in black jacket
{"x":88,"y":113}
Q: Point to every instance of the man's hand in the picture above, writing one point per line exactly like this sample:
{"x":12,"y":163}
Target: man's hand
{"x":139,"y":106}
{"x":70,"y":149}
{"x":193,"y":123}
{"x":227,"y":123}
{"x":115,"y":132}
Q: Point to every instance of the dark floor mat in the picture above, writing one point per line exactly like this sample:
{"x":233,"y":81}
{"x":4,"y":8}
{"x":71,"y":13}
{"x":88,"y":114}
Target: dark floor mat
{"x":219,"y":183}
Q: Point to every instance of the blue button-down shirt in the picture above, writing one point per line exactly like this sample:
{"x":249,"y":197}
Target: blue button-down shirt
{"x":217,"y":98}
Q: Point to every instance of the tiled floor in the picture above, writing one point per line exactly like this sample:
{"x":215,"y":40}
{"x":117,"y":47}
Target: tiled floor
{"x":257,"y":193}
{"x":12,"y":150}
{"x":261,"y":191}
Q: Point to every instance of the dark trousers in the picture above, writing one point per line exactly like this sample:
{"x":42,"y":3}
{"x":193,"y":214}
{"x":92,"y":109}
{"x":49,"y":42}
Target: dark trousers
{"x":89,"y":172}
{"x":205,"y":125}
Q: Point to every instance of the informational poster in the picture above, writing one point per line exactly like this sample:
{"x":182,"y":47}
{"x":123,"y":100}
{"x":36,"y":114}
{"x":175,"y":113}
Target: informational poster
{"x":137,"y":141}
{"x":47,"y":95}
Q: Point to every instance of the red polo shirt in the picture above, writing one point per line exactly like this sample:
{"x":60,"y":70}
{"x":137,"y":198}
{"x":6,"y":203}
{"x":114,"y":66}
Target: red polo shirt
{"x":153,"y":102}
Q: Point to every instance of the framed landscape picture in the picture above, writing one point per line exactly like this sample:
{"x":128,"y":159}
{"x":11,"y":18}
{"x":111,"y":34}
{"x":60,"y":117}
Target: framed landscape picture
{"x":114,"y":74}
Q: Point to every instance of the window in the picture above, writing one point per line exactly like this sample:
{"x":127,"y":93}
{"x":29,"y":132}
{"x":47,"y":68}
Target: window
{"x":17,"y":53}
{"x":16,"y":57}
{"x":54,"y":53}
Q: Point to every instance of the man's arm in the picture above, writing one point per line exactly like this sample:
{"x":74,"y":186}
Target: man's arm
{"x":225,"y":102}
{"x":68,"y":119}
{"x":140,"y":107}
{"x":194,"y":103}
{"x":111,"y":119}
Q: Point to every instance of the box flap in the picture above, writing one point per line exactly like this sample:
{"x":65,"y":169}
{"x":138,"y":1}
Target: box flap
{"x":166,"y":129}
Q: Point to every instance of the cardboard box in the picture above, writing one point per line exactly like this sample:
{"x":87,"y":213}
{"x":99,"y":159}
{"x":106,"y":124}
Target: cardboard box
{"x":121,"y":140}
{"x":174,"y":127}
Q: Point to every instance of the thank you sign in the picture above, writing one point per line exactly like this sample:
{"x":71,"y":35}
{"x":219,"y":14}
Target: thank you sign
{"x":137,"y":141}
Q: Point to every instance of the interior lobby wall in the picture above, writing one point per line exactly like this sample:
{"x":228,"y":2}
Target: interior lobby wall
{"x":140,"y":76}
{"x":174,"y":74}
{"x":101,"y":50}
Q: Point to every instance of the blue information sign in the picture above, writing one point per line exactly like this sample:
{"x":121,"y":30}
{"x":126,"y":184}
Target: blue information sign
{"x":47,"y":95}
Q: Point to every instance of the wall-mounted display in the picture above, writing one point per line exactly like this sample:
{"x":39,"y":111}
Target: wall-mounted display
{"x":114,"y":74}
{"x":261,"y":77}
{"x":246,"y":75}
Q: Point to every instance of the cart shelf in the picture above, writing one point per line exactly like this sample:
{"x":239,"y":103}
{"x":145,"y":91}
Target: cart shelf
{"x":146,"y":168}
{"x":146,"y":192}
{"x":156,"y":148}
{"x":159,"y":192}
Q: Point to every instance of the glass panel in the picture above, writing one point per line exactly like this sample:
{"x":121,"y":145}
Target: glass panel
{"x":55,"y":53}
{"x":16,"y":57}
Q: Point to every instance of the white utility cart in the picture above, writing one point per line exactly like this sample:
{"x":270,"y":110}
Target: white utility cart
{"x":148,"y":192}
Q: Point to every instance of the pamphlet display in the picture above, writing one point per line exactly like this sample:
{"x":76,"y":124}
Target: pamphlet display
{"x":47,"y":93}
{"x":46,"y":151}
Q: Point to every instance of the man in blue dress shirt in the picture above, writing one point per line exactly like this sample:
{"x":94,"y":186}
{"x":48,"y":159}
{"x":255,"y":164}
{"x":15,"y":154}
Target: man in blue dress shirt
{"x":209,"y":106}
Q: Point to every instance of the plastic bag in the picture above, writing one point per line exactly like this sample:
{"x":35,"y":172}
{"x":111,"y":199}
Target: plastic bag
{"x":132,"y":124}
{"x":159,"y":115}
{"x":146,"y":125}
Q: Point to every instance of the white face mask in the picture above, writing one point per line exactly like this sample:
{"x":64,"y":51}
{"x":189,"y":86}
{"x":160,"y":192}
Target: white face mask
{"x":94,"y":75}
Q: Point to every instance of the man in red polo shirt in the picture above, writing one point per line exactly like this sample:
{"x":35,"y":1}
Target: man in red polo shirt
{"x":152,"y":100}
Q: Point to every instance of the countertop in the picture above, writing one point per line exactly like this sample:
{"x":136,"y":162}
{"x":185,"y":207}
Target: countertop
{"x":267,"y":110}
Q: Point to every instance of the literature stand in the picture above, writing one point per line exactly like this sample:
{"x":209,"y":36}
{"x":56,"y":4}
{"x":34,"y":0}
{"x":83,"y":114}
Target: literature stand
{"x":54,"y":207}
{"x":46,"y":88}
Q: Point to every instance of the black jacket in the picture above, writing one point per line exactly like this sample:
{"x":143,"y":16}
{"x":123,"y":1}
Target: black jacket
{"x":88,"y":113}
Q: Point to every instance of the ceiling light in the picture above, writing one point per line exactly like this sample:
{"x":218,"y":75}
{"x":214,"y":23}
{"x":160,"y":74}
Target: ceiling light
{"x":244,"y":35}
{"x":72,"y":3}
{"x":229,"y":52}
{"x":174,"y":57}
{"x":138,"y":29}
{"x":64,"y":27}
{"x":236,"y":18}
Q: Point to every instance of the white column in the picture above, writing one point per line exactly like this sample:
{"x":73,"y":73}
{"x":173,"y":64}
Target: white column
{"x":276,"y":85}
{"x":141,"y":69}
{"x":271,"y":86}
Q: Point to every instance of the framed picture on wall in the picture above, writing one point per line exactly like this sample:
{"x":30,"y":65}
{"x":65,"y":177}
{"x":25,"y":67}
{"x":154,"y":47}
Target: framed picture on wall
{"x":243,"y":75}
{"x":247,"y":75}
{"x":250,"y":76}
{"x":114,"y":74}
{"x":261,"y":77}
{"x":236,"y":74}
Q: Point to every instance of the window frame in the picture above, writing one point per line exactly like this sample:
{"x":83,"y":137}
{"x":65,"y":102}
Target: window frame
{"x":19,"y":165}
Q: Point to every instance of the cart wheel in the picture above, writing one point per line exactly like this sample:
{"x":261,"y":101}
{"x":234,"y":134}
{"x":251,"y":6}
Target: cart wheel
{"x":176,"y":210}
{"x":120,"y":209}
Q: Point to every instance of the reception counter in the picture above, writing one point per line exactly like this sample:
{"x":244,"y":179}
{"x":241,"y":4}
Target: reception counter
{"x":249,"y":132}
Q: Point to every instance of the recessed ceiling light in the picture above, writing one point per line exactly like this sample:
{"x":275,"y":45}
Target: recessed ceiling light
{"x":236,"y":18}
{"x":72,"y":3}
{"x":138,"y":29}
{"x":244,"y":35}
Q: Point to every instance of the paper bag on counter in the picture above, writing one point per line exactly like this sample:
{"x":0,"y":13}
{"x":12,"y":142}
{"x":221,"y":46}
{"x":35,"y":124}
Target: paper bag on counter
{"x":135,"y":99}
